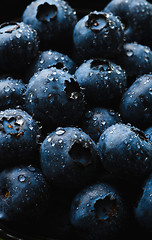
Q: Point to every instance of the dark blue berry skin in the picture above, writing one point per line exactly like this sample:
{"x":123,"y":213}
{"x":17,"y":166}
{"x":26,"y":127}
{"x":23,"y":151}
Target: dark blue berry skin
{"x":99,"y":212}
{"x":98,"y":34}
{"x":53,"y":20}
{"x":19,"y":45}
{"x":55,"y":98}
{"x":103,"y":82}
{"x":136,"y":59}
{"x":96,"y":120}
{"x":136,"y":15}
{"x":135,"y":106}
{"x":143,"y":208}
{"x":19,"y":134}
{"x":148,"y":133}
{"x":125,"y":151}
{"x":50,"y":58}
{"x":69,"y":158}
{"x":24,"y":194}
{"x":11,"y":93}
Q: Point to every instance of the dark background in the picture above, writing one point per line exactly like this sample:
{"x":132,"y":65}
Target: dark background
{"x":13,"y":9}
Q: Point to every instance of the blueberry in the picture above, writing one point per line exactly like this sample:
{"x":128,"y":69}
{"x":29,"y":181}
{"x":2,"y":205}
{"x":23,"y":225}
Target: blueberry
{"x":19,"y":134}
{"x":99,"y":212}
{"x":125,"y":151}
{"x":69,"y":158}
{"x":135,"y":106}
{"x":53,"y":20}
{"x":55,"y":98}
{"x":24,"y":194}
{"x":11,"y":93}
{"x":98,"y":34}
{"x":136,"y":15}
{"x":143,"y":207}
{"x":19,"y":45}
{"x":136,"y":59}
{"x":103,"y":81}
{"x":50,"y":58}
{"x":96,"y":120}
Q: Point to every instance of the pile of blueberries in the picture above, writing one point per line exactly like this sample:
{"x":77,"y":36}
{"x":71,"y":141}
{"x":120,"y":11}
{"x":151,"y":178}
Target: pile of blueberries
{"x":76,"y":121}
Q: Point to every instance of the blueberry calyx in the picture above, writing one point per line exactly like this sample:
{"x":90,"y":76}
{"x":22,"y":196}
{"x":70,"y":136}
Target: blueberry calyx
{"x":140,"y":133}
{"x":105,"y":208}
{"x":46,"y":12}
{"x":8,"y":27}
{"x":72,"y":89}
{"x":12,"y":126}
{"x":81,"y":154}
{"x":96,"y":22}
{"x":100,"y":64}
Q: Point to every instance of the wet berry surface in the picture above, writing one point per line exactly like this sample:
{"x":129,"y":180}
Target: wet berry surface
{"x":75,"y":120}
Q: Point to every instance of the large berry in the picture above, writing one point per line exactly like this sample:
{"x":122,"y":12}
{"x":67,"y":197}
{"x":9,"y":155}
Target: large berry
{"x":19,"y":45}
{"x":99,"y":212}
{"x":53,"y":20}
{"x":55,"y":98}
{"x":136,"y":59}
{"x":137,"y":18}
{"x":125,"y":151}
{"x":24,"y":194}
{"x":98,"y":34}
{"x":96,"y":120}
{"x":19,"y":135}
{"x":135,"y":106}
{"x":69,"y":158}
{"x":103,"y":82}
{"x":50,"y":58}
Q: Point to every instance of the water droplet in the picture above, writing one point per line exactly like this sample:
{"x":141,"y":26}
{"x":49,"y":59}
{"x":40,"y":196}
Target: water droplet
{"x":19,"y":120}
{"x":31,"y":168}
{"x":18,"y":34}
{"x":49,"y":139}
{"x":150,"y":91}
{"x":129,"y":53}
{"x":60,"y":131}
{"x":74,"y":95}
{"x":42,"y":61}
{"x":21,"y":178}
{"x":51,"y":98}
{"x":103,"y":123}
{"x":7,"y":89}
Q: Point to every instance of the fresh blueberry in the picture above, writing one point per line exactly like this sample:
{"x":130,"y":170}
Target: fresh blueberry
{"x":136,"y":59}
{"x":55,"y":98}
{"x":19,"y":135}
{"x":50,"y":58}
{"x":98,"y":34}
{"x":125,"y":151}
{"x":11,"y":93}
{"x":69,"y":158}
{"x":19,"y":45}
{"x":135,"y":107}
{"x":136,"y":15}
{"x":99,"y":212}
{"x":103,"y":82}
{"x":24,"y":194}
{"x":96,"y":120}
{"x":143,"y":208}
{"x":53,"y":20}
